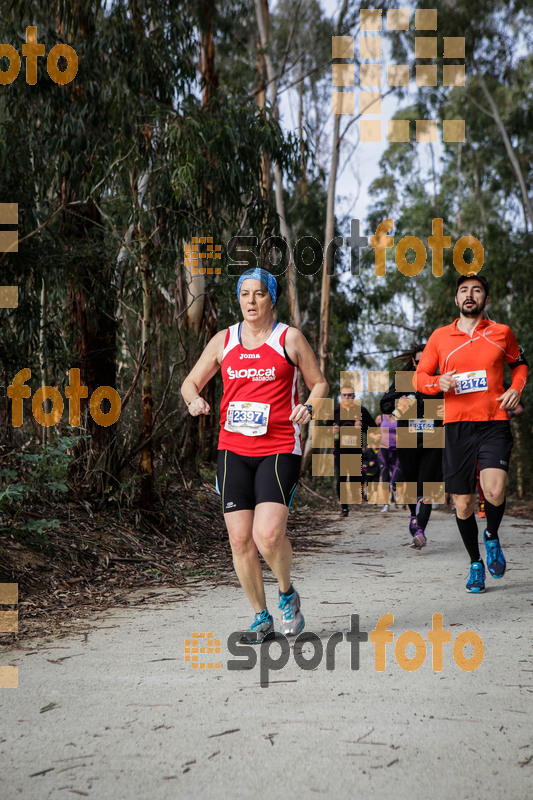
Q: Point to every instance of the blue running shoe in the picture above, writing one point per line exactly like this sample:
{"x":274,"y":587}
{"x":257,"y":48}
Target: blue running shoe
{"x":495,"y":557}
{"x":292,"y":620}
{"x":262,"y":628}
{"x":476,"y":580}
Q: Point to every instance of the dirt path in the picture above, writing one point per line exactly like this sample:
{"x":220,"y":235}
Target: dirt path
{"x":115,"y":713}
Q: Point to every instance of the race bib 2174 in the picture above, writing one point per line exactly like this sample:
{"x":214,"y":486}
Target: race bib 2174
{"x":467,"y":382}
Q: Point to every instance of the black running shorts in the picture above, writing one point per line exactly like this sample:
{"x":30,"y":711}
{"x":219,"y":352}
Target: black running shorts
{"x":466,"y":443}
{"x":246,"y":481}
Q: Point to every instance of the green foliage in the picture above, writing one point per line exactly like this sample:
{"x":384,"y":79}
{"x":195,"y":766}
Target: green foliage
{"x":123,"y":160}
{"x":42,"y":474}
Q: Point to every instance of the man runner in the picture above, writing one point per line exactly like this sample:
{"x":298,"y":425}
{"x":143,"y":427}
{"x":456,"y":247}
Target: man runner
{"x":470,"y":354}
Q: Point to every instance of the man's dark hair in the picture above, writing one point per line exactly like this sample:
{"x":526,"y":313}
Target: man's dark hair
{"x":483,"y":281}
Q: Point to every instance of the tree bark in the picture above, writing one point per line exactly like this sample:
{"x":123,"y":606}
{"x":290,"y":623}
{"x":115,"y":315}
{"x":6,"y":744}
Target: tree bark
{"x":207,"y":52}
{"x":528,"y":208}
{"x":266,"y":178}
{"x":261,"y":7}
{"x":327,"y":268}
{"x":146,"y":467}
{"x":93,"y":339}
{"x":42,"y":347}
{"x":301,"y":131}
{"x":459,"y":187}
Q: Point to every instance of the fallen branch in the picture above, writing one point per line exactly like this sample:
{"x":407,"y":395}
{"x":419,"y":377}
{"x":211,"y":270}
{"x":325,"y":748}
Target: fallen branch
{"x":312,"y":491}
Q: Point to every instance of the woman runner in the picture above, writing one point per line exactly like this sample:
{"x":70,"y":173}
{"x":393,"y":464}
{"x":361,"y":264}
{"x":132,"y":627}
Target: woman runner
{"x":259,"y":448}
{"x":423,"y":463}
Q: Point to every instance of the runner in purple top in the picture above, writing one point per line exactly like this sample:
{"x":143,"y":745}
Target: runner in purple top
{"x":389,"y":463}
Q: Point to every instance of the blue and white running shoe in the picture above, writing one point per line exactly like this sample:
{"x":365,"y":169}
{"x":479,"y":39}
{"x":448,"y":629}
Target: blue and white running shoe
{"x":495,"y":557}
{"x":261,"y":628}
{"x":476,"y":580}
{"x":292,"y":620}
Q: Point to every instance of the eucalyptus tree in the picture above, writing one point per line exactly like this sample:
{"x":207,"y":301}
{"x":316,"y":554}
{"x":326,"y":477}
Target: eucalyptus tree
{"x":112,"y":172}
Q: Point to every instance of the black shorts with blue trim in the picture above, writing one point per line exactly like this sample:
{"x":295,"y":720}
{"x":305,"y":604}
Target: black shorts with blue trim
{"x":466,"y":444}
{"x":245,"y":481}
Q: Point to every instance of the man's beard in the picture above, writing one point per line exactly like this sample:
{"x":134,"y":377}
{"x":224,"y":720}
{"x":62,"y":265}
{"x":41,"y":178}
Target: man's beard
{"x":473,"y":310}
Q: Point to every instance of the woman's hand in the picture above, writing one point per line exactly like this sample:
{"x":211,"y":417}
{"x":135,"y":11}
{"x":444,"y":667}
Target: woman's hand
{"x":198,"y":406}
{"x":300,"y":414}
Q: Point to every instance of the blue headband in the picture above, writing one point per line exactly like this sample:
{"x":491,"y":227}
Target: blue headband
{"x":260,"y":275}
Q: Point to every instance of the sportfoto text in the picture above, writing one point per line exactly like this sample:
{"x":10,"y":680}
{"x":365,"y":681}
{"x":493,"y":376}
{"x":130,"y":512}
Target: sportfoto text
{"x":74,"y":392}
{"x":31,"y":51}
{"x":308,"y":253}
{"x":247,"y":654}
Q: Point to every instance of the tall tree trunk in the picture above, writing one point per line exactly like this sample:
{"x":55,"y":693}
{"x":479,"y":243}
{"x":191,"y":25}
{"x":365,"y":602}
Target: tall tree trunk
{"x":195,"y":283}
{"x":93,"y":340}
{"x":327,"y":268}
{"x":261,"y":8}
{"x":479,"y":194}
{"x":301,"y":129}
{"x":528,"y":208}
{"x":208,"y":72}
{"x":147,"y":475}
{"x":266,"y":177}
{"x":194,"y":298}
{"x":93,"y":334}
{"x":42,"y":347}
{"x":459,"y":187}
{"x":329,"y":233}
{"x":210,"y":102}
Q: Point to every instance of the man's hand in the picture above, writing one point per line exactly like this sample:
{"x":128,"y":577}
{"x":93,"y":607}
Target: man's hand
{"x":198,"y":406}
{"x":447,"y":381}
{"x":509,"y":399}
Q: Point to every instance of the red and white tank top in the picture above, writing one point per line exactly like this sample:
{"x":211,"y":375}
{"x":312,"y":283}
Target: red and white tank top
{"x":259,"y":385}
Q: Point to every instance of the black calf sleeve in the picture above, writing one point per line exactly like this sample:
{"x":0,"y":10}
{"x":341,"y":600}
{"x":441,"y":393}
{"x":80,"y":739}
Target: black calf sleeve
{"x":468,"y":530}
{"x":494,"y":517}
{"x":424,"y":513}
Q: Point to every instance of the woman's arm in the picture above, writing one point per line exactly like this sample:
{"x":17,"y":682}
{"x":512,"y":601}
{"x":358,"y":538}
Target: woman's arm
{"x":204,"y":369}
{"x":387,"y":402}
{"x":301,"y":354}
